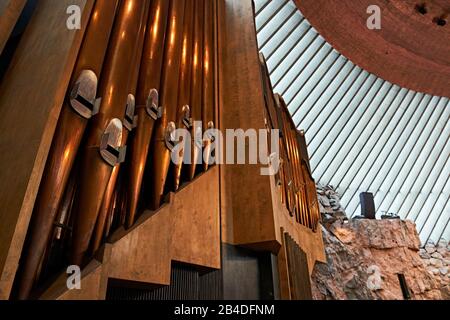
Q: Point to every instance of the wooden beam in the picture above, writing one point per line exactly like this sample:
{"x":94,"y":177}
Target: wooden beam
{"x":31,"y":96}
{"x":10,"y":11}
{"x":247,"y":209}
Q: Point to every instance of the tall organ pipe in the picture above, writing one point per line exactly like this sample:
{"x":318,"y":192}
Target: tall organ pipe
{"x":69,"y":131}
{"x":163,"y":143}
{"x":132,"y":121}
{"x":196,"y":88}
{"x":300,"y":207}
{"x":301,"y":186}
{"x":104,"y":148}
{"x":147,"y":102}
{"x":184,"y":91}
{"x":208,"y":106}
{"x":292,"y":161}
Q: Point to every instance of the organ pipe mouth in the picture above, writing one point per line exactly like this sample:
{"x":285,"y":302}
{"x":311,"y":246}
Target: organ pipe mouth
{"x":170,"y":135}
{"x":83,"y":95}
{"x":187,"y":120}
{"x":110,"y":147}
{"x":152,"y":107}
{"x":130,"y":118}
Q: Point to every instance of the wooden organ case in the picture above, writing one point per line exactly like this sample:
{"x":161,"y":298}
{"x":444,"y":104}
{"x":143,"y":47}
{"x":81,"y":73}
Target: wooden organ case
{"x":88,"y":173}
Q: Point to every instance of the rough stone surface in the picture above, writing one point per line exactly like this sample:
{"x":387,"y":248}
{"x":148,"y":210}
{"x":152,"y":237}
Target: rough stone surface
{"x":364,"y":258}
{"x":438,"y":263}
{"x":330,"y":205}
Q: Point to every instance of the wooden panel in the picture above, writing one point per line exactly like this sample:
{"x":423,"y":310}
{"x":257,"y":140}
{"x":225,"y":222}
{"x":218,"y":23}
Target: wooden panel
{"x":196,"y":222}
{"x":93,"y":285}
{"x":40,"y":71}
{"x":186,"y":230}
{"x":252,"y":212}
{"x":283,"y":273}
{"x":309,"y":241}
{"x":10,"y":11}
{"x":247,"y":213}
{"x":299,"y":281}
{"x":143,"y":255}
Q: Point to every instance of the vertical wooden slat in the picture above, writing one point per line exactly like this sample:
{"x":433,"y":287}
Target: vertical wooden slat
{"x":283,"y":270}
{"x":299,"y":281}
{"x":241,"y":107}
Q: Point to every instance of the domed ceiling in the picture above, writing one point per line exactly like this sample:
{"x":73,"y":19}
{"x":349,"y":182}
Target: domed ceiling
{"x":411,"y":49}
{"x":373,"y":103}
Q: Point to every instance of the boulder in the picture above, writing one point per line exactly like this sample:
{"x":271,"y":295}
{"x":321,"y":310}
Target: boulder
{"x":437,"y":255}
{"x":430,"y":248}
{"x":364,"y":258}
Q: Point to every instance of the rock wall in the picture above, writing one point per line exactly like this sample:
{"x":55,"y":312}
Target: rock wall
{"x":330,"y":204}
{"x":365,"y":258}
{"x":436,"y":258}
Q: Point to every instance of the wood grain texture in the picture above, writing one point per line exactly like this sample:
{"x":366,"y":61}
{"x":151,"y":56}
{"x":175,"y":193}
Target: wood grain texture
{"x":309,"y":241}
{"x":184,"y":230}
{"x":31,"y":97}
{"x":10,"y":11}
{"x":300,"y":283}
{"x":247,"y":215}
{"x":283,"y":272}
{"x":252,"y":212}
{"x":410,"y":50}
{"x":93,"y":285}
{"x":196,"y":222}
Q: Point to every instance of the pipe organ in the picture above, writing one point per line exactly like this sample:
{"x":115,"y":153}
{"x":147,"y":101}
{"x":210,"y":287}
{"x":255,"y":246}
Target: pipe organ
{"x":298,"y":190}
{"x":108,"y":187}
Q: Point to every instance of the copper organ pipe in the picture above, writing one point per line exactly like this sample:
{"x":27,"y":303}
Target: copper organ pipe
{"x":293,"y":151}
{"x":115,"y":217}
{"x":295,"y":182}
{"x":121,"y":202}
{"x":305,"y":180}
{"x":196,"y":89}
{"x":268,"y":94}
{"x":104,"y":209}
{"x":130,"y":121}
{"x":274,"y":123}
{"x":78,"y":107}
{"x":147,"y":102}
{"x":163,"y":135}
{"x":104,"y":149}
{"x":208,"y":106}
{"x":184,"y":110}
{"x":289,"y":151}
{"x":65,"y":210}
{"x":295,"y":165}
{"x":286,"y":161}
{"x":278,"y":119}
{"x":61,"y":227}
{"x":300,"y":180}
{"x":311,"y":192}
{"x":111,"y":213}
{"x":284,"y":165}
